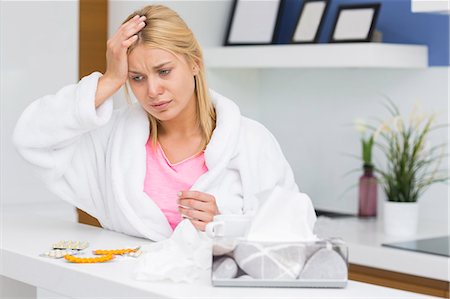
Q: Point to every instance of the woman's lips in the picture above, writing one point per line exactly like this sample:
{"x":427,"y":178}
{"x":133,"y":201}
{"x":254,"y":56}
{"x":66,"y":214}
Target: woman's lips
{"x":161,"y":105}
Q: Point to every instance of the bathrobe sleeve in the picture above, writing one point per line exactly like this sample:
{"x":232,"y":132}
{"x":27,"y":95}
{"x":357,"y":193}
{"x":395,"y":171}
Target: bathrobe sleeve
{"x":60,"y":136}
{"x":273,"y":168}
{"x":265,"y":164}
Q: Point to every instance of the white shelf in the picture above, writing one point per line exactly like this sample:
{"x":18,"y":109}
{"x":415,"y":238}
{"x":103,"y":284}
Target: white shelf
{"x":345,"y":55}
{"x":431,"y":6}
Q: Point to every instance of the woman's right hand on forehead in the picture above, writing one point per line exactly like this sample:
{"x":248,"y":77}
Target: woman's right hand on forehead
{"x":116,"y":59}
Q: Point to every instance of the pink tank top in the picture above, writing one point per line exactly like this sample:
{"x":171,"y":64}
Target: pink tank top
{"x":163,"y":180}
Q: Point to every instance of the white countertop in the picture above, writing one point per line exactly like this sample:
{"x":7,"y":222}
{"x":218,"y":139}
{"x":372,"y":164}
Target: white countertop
{"x":364,"y":237}
{"x":26,"y":235}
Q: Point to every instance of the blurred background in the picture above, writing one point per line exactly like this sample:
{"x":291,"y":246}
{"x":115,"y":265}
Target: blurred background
{"x":309,"y":107}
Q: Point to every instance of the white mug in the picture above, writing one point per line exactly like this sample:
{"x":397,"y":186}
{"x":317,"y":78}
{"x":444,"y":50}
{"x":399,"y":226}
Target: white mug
{"x":228,"y":226}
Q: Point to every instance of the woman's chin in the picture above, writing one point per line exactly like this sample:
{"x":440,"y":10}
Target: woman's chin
{"x":164,"y":115}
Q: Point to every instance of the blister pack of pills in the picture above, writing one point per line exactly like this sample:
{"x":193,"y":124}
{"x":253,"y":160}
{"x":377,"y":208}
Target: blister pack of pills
{"x":75,"y":245}
{"x":133,"y":252}
{"x":60,"y":253}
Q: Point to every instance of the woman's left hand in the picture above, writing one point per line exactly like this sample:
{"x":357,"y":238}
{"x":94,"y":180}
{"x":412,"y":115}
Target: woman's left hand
{"x":199,"y":207}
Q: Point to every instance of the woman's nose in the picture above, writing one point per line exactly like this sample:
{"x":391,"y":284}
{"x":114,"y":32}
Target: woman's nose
{"x":154,"y":88}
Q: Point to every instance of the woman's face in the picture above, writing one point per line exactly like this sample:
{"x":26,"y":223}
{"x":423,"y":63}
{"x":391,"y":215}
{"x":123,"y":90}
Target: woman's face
{"x":162,"y":82}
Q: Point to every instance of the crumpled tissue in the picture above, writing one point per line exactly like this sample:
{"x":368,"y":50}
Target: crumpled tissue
{"x":184,"y":257}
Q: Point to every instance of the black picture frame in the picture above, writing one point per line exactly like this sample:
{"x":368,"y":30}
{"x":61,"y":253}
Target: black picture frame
{"x":337,"y":34}
{"x":309,"y":20}
{"x":265,"y":13}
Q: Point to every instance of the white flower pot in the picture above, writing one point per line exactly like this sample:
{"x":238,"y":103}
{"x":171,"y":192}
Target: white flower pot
{"x":400,"y":218}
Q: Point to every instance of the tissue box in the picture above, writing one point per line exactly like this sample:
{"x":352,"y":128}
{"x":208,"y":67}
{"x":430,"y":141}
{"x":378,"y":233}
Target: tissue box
{"x":241,"y":263}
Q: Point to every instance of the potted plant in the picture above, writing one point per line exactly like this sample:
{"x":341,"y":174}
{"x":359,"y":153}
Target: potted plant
{"x":412,"y":166}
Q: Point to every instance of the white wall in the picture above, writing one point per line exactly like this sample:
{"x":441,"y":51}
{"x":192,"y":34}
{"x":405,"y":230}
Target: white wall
{"x":309,"y":110}
{"x":315,"y":107}
{"x":39,"y":55}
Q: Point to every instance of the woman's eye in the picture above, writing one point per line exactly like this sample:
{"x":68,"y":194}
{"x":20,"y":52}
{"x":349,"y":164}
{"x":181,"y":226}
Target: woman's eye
{"x":164,"y":72}
{"x":137,"y":78}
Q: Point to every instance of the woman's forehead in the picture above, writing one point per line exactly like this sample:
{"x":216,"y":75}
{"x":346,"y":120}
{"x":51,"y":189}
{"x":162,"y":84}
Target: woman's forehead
{"x":150,"y":53}
{"x":151,"y":57}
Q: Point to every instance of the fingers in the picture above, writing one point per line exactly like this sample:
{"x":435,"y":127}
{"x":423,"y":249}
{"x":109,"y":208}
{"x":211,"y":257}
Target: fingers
{"x":196,"y":215}
{"x":198,"y":201}
{"x":129,"y":41}
{"x":132,"y":27}
{"x":125,"y":35}
{"x":130,"y":21}
{"x":199,"y":207}
{"x":196,"y":195}
{"x":195,"y":204}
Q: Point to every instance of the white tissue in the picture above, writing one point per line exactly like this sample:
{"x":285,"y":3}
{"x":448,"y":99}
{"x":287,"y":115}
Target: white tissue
{"x":185,"y":257}
{"x":283,"y":216}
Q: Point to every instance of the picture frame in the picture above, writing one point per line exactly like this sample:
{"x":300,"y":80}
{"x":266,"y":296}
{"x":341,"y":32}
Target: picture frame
{"x":253,"y":22}
{"x":310,"y":21}
{"x":355,"y":23}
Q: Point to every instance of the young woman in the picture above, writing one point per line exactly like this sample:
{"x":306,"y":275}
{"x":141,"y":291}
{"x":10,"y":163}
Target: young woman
{"x":183,"y":151}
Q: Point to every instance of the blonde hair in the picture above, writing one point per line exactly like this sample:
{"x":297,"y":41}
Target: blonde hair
{"x":166,"y":30}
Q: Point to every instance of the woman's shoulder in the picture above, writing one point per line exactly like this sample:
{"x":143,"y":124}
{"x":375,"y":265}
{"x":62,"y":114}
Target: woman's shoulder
{"x":252,"y":124}
{"x":253,"y":129}
{"x":124,"y":118}
{"x":229,"y":110}
{"x":129,"y":112}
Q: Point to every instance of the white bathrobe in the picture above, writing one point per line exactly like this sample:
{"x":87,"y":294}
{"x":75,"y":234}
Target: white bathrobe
{"x":96,"y":158}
